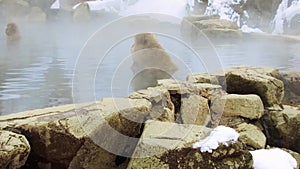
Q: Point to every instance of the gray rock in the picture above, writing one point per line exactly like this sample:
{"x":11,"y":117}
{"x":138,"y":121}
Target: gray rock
{"x":233,"y":105}
{"x":14,"y":150}
{"x":251,"y":135}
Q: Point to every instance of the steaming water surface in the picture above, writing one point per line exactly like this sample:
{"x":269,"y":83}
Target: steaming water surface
{"x":38,"y":71}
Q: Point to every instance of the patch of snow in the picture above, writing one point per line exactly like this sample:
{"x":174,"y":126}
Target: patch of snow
{"x":55,"y":5}
{"x":248,"y":29}
{"x":223,"y":9}
{"x":106,"y":5}
{"x":285,"y":14}
{"x":273,"y":159}
{"x":177,"y":8}
{"x":220,"y":135}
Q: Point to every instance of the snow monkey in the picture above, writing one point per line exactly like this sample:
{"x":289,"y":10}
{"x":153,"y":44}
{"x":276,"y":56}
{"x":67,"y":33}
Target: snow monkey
{"x":12,"y":32}
{"x":150,"y":61}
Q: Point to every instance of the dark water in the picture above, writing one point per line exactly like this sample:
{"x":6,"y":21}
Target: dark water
{"x":39,"y":71}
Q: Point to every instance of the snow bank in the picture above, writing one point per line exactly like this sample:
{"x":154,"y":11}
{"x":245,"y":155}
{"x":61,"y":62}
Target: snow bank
{"x":248,"y":29}
{"x":273,"y":159}
{"x":106,"y":5}
{"x":285,"y":14}
{"x":220,"y":135}
{"x":177,"y":8}
{"x":223,"y":9}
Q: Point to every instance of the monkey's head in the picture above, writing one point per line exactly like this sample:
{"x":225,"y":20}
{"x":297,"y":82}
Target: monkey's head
{"x":11,"y":29}
{"x":145,"y":40}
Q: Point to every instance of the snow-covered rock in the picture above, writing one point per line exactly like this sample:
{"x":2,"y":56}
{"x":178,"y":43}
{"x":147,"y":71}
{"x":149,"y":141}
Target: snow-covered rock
{"x":273,"y":159}
{"x":169,"y":145}
{"x":176,"y":8}
{"x":220,"y":135}
{"x":248,"y":29}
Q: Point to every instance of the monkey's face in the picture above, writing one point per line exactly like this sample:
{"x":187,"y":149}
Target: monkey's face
{"x":11,"y":29}
{"x":143,"y":41}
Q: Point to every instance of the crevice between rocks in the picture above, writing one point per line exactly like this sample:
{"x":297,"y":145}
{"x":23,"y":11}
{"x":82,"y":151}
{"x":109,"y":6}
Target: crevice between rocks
{"x":176,"y":100}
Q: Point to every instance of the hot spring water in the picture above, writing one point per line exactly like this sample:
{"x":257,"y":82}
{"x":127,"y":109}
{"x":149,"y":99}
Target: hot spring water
{"x":38,"y":72}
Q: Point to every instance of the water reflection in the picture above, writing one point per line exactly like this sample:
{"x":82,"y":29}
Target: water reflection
{"x":38,"y":72}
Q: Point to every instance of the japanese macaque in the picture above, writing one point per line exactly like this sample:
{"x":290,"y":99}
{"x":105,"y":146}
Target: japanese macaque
{"x":12,"y":32}
{"x":150,"y":62}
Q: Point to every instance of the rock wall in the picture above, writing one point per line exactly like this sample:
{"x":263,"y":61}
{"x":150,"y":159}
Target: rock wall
{"x":159,"y":125}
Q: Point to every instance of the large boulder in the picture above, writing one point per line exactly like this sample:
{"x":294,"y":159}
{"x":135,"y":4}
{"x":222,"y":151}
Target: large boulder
{"x":91,"y":135}
{"x":219,"y":77}
{"x":170,"y":145}
{"x":265,"y":70}
{"x":234,"y":105}
{"x":246,"y":80}
{"x":14,"y":150}
{"x":198,"y":27}
{"x":282,"y":128}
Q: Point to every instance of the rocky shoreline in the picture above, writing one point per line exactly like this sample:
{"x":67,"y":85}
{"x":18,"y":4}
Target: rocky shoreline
{"x":156,"y":128}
